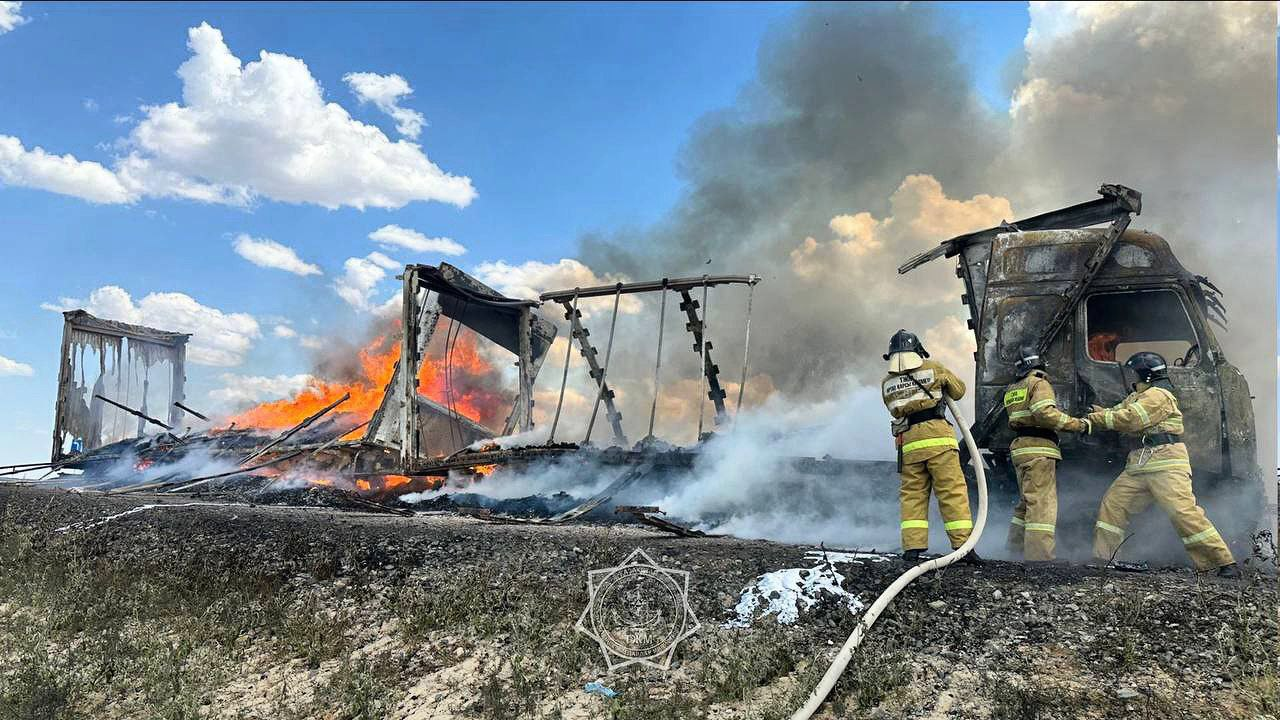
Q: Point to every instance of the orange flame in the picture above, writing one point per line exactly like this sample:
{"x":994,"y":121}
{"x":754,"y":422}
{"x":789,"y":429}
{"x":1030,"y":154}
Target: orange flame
{"x":475,"y":392}
{"x":376,"y":486}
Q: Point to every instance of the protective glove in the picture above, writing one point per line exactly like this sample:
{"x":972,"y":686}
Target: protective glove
{"x":898,"y":425}
{"x":1097,"y":408}
{"x":1088,"y":427}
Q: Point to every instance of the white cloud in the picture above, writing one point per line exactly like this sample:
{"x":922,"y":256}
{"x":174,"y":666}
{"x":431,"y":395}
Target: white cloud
{"x":264,"y":128}
{"x":90,"y":105}
{"x":267,"y":253}
{"x":284,"y":331}
{"x":382,"y":261}
{"x":11,"y":16}
{"x":360,"y":277}
{"x":217,"y":338}
{"x":122,"y":119}
{"x":385,"y":91}
{"x":388,"y":235}
{"x":60,"y":174}
{"x":239,"y":390}
{"x":244,"y":132}
{"x":390,"y":308}
{"x":311,"y":342}
{"x":13,"y":367}
{"x":532,"y":278}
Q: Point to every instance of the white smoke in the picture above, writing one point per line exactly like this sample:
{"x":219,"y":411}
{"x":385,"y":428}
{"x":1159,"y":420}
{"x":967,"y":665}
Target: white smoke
{"x":839,"y":161}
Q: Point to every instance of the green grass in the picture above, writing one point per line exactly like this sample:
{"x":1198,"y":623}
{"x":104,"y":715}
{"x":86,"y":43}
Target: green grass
{"x":153,"y":637}
{"x":39,"y":688}
{"x":737,"y":662}
{"x":159,"y":633}
{"x":362,"y":689}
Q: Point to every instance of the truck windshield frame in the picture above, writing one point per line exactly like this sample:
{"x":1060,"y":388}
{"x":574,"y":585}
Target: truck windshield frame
{"x":1148,"y":319}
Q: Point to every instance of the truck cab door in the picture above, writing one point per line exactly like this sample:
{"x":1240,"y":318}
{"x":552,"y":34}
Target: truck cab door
{"x":1116,"y":324}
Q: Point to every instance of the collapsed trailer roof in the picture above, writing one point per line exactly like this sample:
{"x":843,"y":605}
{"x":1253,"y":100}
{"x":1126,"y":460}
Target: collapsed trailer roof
{"x":512,"y":324}
{"x":481,"y":308}
{"x":83,"y":321}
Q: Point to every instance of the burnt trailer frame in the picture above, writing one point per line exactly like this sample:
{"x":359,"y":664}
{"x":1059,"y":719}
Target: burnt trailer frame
{"x":81,"y":324}
{"x":650,"y":452}
{"x":508,"y":322}
{"x":695,"y":324}
{"x":391,"y":443}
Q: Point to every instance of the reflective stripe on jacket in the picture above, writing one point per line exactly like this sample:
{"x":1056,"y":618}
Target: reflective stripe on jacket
{"x":1031,"y":403}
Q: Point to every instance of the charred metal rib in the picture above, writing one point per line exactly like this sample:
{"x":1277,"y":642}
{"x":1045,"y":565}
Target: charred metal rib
{"x":180,"y":406}
{"x":135,"y":413}
{"x":296,"y":428}
{"x":1116,"y":201}
{"x":676,"y":284}
{"x":589,"y":353}
{"x":712,"y":371}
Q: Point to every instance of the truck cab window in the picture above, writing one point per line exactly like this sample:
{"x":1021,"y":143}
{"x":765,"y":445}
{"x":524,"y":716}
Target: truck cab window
{"x":1121,"y":324}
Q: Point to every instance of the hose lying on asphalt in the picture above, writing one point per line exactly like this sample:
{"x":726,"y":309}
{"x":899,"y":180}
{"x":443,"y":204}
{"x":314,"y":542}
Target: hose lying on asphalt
{"x":869,"y":617}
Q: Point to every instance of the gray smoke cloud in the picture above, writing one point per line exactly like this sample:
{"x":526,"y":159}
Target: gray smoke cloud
{"x":847,"y":107}
{"x":861,"y":141}
{"x":1178,"y":100}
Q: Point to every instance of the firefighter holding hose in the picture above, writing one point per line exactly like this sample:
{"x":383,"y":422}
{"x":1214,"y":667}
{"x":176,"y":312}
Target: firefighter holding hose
{"x":928,"y":453}
{"x":1034,"y":416}
{"x":1159,"y":470}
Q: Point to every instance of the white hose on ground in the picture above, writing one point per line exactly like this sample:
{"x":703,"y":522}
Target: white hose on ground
{"x":869,"y":617}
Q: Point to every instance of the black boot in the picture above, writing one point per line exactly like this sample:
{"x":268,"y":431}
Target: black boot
{"x":911,"y":556}
{"x":972,"y":558}
{"x":1231,"y":571}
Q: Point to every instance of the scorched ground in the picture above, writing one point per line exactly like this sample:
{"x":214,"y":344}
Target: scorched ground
{"x":236,"y":611}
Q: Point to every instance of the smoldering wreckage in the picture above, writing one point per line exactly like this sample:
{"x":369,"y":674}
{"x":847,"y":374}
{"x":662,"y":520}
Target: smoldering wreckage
{"x":1084,"y":296}
{"x":1076,"y":284}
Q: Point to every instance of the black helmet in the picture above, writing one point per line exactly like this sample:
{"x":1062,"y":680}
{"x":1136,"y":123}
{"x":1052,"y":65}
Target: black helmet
{"x":903,"y":341}
{"x":1148,"y":366}
{"x":1029,"y":360}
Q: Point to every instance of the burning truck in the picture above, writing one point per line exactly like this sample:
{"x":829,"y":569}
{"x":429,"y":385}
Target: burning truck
{"x":1087,"y":298}
{"x":428,"y":406}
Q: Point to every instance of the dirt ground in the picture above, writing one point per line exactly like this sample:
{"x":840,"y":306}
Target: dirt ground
{"x":238,"y":611}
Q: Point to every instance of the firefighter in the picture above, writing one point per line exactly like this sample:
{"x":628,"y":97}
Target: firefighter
{"x":1159,"y":470}
{"x":928,"y":454}
{"x":1034,"y":416}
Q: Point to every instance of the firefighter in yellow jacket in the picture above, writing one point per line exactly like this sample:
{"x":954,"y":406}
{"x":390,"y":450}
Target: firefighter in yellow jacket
{"x":1159,"y":470}
{"x":928,"y":454}
{"x":1034,"y":416}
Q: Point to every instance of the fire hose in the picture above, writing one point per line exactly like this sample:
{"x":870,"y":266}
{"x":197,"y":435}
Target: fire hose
{"x":869,"y":618}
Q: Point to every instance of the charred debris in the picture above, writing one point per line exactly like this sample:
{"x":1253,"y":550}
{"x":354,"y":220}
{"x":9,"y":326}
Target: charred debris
{"x":1082,"y":295}
{"x":121,"y":415}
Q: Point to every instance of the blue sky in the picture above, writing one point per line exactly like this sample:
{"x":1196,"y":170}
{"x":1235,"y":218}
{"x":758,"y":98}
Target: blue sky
{"x":566,"y":119}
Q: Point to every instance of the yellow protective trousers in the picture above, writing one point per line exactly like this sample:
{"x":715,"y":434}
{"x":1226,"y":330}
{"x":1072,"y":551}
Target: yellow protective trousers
{"x":1031,"y":530}
{"x":942,"y":475}
{"x":1131,"y":493}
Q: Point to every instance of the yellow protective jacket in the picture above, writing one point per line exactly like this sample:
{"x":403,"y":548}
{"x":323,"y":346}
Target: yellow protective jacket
{"x":1030,"y":403}
{"x":904,"y":397}
{"x":1149,"y":410}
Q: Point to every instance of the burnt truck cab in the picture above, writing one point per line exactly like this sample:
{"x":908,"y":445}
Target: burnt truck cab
{"x":1088,"y":298}
{"x":1142,"y":299}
